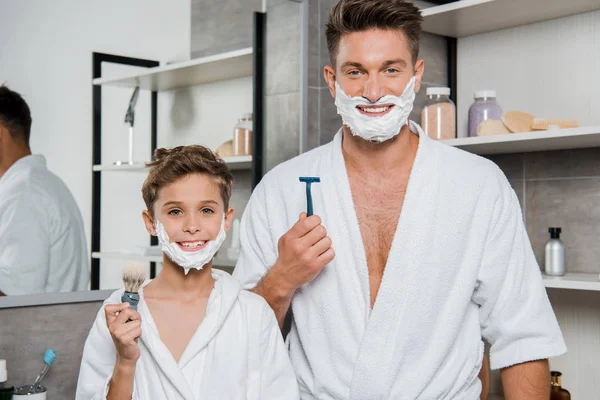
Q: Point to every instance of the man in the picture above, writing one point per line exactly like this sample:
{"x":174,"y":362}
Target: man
{"x":42,"y":241}
{"x":431,"y":253}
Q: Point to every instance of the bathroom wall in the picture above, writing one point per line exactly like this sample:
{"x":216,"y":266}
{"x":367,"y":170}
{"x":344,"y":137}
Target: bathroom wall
{"x":220,"y":26}
{"x":550,"y":69}
{"x":26,"y":333}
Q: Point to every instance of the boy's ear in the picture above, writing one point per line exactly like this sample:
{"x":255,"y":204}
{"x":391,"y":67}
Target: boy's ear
{"x":149,"y":222}
{"x":229,"y":218}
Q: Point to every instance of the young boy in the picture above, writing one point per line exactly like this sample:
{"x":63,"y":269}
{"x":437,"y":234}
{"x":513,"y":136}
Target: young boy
{"x":196,"y":334}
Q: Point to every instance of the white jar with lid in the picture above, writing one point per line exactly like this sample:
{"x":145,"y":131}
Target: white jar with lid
{"x":438,"y":118}
{"x":483,"y":109}
{"x":242,"y":136}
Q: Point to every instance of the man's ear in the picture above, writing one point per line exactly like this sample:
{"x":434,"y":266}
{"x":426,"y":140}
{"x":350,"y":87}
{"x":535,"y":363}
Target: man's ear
{"x":149,"y":222}
{"x":229,"y":218}
{"x":419,"y":70}
{"x":329,"y":75}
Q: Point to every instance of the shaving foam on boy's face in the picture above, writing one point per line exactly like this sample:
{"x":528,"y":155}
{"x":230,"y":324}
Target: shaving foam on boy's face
{"x":190,"y":220}
{"x":197,"y":255}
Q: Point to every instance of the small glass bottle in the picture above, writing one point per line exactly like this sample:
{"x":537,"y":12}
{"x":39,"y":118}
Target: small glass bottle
{"x":554,"y":263}
{"x":483,"y":109}
{"x":6,"y":391}
{"x":556,"y":390}
{"x":242,"y":136}
{"x":438,"y":118}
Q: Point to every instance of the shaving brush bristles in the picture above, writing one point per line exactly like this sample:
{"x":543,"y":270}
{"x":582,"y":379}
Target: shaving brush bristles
{"x":134,"y":276}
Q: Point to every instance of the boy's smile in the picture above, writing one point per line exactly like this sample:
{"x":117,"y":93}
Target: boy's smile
{"x":191,"y":211}
{"x":192,"y":246}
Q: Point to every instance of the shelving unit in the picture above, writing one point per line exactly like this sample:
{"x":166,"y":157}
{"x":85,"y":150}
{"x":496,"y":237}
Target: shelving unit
{"x":215,"y":68}
{"x":235,"y":163}
{"x":559,"y":139}
{"x":247,"y":62}
{"x":471,"y":17}
{"x":574,"y":281}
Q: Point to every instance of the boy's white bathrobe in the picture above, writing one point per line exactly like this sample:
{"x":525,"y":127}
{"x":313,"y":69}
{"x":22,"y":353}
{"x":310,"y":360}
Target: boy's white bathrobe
{"x":236,"y":353}
{"x":460,"y":268}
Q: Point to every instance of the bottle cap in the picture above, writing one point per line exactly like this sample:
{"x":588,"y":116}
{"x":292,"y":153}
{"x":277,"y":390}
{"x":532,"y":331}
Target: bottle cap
{"x":555,"y":232}
{"x":438,"y":91}
{"x":3,"y":372}
{"x":485,"y":94}
{"x":555,"y":378}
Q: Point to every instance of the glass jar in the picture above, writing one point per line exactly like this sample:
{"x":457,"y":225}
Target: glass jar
{"x":438,"y":118}
{"x":484,"y":108}
{"x":242,"y":136}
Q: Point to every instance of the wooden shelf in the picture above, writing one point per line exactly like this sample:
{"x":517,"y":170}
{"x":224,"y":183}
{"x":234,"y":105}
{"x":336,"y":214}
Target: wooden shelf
{"x":575,"y":281}
{"x":472,"y":17}
{"x":215,"y":68}
{"x":234,"y":163}
{"x":557,"y":139}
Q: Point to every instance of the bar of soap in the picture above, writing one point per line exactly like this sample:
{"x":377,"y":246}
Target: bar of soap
{"x":226,"y":149}
{"x":517,"y":121}
{"x":492,"y":127}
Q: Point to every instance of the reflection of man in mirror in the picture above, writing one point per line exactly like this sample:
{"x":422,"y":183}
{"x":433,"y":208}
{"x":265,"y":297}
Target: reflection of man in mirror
{"x":42,"y":240}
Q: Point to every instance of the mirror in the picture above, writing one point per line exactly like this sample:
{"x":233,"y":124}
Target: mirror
{"x":58,"y":90}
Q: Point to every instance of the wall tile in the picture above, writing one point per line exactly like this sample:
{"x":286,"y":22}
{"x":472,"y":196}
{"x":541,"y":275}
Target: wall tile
{"x":331,"y":122}
{"x":26,"y":333}
{"x":433,"y":50}
{"x":313,"y":115}
{"x":283,"y":48}
{"x":510,"y":164}
{"x":315,"y":30}
{"x":222,"y":26}
{"x":563,"y":163}
{"x":282,"y":128}
{"x":574,"y":205}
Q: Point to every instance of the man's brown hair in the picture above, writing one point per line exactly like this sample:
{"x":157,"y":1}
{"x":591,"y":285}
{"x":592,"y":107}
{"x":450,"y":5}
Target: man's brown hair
{"x":350,"y":16}
{"x":15,"y":115}
{"x":169,"y":165}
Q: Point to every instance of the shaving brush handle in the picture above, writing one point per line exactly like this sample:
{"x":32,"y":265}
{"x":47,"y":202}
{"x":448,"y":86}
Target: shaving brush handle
{"x":133,"y":298}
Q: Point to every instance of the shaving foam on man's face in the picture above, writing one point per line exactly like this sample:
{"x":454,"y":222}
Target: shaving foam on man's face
{"x":378,"y":121}
{"x":374,"y":82}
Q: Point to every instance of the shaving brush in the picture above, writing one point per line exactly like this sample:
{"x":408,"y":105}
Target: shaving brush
{"x":134,"y":276}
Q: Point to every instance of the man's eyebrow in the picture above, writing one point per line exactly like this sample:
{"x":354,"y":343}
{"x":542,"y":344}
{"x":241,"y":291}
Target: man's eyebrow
{"x":352,"y":64}
{"x":397,"y":61}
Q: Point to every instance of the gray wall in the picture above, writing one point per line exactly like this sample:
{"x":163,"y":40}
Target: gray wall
{"x":283,"y":81}
{"x":559,"y":188}
{"x":323,"y":121}
{"x":26,"y":333}
{"x":223,"y":25}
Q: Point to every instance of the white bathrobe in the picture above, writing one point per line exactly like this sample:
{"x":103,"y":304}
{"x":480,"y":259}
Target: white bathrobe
{"x":236,"y":353}
{"x":460,"y":268}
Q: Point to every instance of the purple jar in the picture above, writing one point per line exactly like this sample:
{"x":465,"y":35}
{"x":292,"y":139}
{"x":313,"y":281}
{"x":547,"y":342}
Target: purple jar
{"x":484,"y":108}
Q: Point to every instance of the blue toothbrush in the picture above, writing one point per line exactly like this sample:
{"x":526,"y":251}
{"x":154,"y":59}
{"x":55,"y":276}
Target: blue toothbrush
{"x":49,"y":357}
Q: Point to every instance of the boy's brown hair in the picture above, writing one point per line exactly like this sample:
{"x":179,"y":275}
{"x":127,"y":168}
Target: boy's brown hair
{"x":350,"y":16}
{"x":169,"y":165}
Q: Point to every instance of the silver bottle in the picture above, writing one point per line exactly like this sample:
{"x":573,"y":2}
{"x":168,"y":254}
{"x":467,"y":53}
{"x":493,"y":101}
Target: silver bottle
{"x":555,"y":254}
